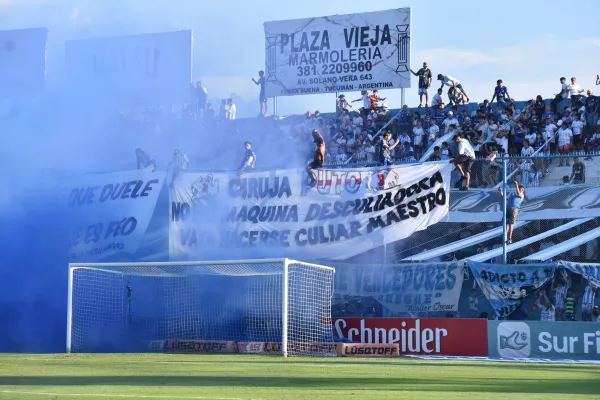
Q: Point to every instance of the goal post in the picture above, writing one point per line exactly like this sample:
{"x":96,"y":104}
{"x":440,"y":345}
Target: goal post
{"x":248,"y":306}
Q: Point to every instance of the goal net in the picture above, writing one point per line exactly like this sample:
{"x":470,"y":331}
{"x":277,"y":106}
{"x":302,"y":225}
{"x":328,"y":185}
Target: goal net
{"x":256,"y":306}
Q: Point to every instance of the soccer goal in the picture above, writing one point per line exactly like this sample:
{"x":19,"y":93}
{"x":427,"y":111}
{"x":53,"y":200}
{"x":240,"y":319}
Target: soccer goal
{"x":249,"y":306}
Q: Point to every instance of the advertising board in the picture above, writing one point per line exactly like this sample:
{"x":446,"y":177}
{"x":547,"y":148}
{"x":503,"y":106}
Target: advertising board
{"x":428,"y":336}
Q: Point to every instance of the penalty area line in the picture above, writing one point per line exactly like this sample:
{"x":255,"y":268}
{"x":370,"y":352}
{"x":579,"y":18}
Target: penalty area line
{"x":132,"y":396}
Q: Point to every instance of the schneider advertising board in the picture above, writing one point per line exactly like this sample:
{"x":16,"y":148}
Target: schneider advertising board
{"x":545,"y":340}
{"x":340,"y":53}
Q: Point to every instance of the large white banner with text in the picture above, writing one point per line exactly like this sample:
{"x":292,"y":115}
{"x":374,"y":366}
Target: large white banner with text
{"x":339,"y":53}
{"x":22,"y":61}
{"x":109,"y":213}
{"x":134,"y":70}
{"x":274,"y":213}
{"x":404,"y":288}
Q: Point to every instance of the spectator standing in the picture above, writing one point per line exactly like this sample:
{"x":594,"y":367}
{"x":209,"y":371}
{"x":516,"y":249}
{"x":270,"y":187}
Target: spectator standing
{"x":386,"y":148}
{"x":419,"y":139}
{"x":587,"y":303}
{"x":575,"y":92}
{"x":464,"y":160}
{"x":473,"y":304}
{"x":513,"y":204}
{"x":525,"y":168}
{"x":341,"y":157}
{"x":434,"y":131}
{"x":231,"y":110}
{"x":201,"y":98}
{"x":564,"y":94}
{"x":565,"y":141}
{"x":450,"y":120}
{"x":578,"y":172}
{"x":249,"y":159}
{"x":547,"y":310}
{"x":577,"y":128}
{"x":500,"y":93}
{"x":366,"y":103}
{"x":262,"y":96}
{"x":535,"y":176}
{"x":437,"y":98}
{"x":179,"y":163}
{"x":454,"y":83}
{"x":570,"y":305}
{"x":360,"y":154}
{"x":405,"y":119}
{"x":144,"y":161}
{"x":369,"y":151}
{"x":527,"y":150}
{"x":435,"y":156}
{"x":592,"y":109}
{"x":445,"y":151}
{"x":318,"y":158}
{"x":425,"y":77}
{"x":560,"y":294}
{"x":223,"y":110}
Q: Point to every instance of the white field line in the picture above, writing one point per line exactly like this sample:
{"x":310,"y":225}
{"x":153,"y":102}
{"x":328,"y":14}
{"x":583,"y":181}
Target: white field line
{"x":130,"y":396}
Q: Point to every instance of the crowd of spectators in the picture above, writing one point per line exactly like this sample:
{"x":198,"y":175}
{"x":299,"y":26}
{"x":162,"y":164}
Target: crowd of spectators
{"x":363,"y":131}
{"x":370,"y":135}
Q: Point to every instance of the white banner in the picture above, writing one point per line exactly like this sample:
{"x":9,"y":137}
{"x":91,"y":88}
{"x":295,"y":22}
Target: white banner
{"x":404,"y":288}
{"x":274,"y":213}
{"x":339,"y":53}
{"x":147,"y":69}
{"x":22,"y":61}
{"x":109,"y":213}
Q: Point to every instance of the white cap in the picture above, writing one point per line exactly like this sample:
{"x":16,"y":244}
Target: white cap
{"x":450,"y":113}
{"x":384,"y":105}
{"x":560,"y":121}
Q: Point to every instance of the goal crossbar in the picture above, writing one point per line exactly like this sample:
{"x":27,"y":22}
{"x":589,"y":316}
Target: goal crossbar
{"x":194,"y":263}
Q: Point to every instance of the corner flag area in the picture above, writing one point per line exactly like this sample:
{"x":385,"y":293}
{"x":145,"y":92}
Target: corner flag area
{"x":239,"y":377}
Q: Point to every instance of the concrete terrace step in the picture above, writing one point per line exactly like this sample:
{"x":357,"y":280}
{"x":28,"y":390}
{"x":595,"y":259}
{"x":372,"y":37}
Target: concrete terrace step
{"x":556,"y":173}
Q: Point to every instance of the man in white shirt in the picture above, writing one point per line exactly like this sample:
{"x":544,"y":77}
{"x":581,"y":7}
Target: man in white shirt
{"x":419,"y":139}
{"x":575,"y":92}
{"x":450,"y":120}
{"x":437,"y":98}
{"x":550,"y":134}
{"x":455,"y":83}
{"x":464,"y":160}
{"x":577,"y":128}
{"x":230,"y":110}
{"x":501,"y":140}
{"x":434,"y":131}
{"x":565,"y":141}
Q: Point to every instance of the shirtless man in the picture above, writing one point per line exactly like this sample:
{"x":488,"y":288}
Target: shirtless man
{"x":319,"y":157}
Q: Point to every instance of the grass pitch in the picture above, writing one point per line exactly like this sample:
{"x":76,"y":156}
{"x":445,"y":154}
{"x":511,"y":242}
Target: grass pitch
{"x":247,"y":377}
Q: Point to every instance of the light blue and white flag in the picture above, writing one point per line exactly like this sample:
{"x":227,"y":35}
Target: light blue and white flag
{"x":505,"y":286}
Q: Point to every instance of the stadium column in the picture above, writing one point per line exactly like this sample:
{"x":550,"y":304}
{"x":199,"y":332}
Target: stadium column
{"x":504,"y":195}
